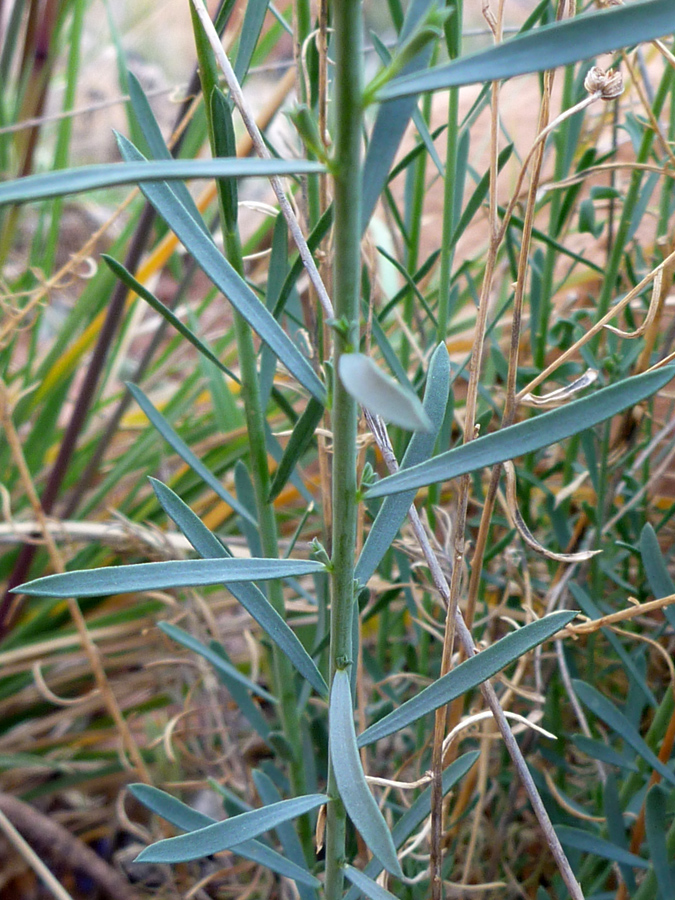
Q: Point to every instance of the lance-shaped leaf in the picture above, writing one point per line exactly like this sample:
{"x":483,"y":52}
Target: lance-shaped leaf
{"x":90,"y":178}
{"x":160,"y":576}
{"x":181,"y":448}
{"x":411,"y":820}
{"x":217,"y":661}
{"x":227,"y":834}
{"x":225,"y":278}
{"x":133,"y":284}
{"x":251,"y":597}
{"x":354,"y":791}
{"x":613,"y":717}
{"x":602,"y":751}
{"x":547,"y":47}
{"x":655,"y":830}
{"x":381,"y":395}
{"x":395,"y":508}
{"x":525,"y":437}
{"x":468,"y":675}
{"x":591,"y":843}
{"x":299,"y":441}
{"x":187,"y":819}
{"x":657,"y":572}
{"x":367,"y":886}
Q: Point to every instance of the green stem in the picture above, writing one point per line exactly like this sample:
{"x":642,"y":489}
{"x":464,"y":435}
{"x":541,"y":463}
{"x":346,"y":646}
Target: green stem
{"x":347,"y":204}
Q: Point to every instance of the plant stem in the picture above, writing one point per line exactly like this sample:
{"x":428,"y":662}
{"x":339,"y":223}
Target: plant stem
{"x":347,"y":203}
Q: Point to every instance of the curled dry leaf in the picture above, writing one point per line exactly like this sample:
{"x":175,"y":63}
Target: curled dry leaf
{"x":524,"y":531}
{"x":561,"y":394}
{"x":651,"y":312}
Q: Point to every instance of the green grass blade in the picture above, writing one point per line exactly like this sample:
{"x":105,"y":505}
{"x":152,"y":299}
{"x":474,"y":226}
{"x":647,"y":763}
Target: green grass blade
{"x":525,"y":437}
{"x":354,"y":791}
{"x":545,"y":48}
{"x":603,"y":709}
{"x":181,"y":448}
{"x":227,"y":834}
{"x":468,"y":675}
{"x":158,"y":576}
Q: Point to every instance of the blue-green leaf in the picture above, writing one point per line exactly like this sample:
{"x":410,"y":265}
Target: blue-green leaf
{"x":251,"y":597}
{"x":546,"y":47}
{"x":655,"y":830}
{"x":127,"y":278}
{"x":603,"y":752}
{"x":367,"y":886}
{"x":381,"y":395}
{"x":140,"y":170}
{"x":225,"y":278}
{"x":591,"y":843}
{"x":354,"y":791}
{"x":657,"y":572}
{"x":217,"y":661}
{"x":411,"y":820}
{"x":181,"y":448}
{"x":613,"y":717}
{"x":395,"y":508}
{"x":525,"y":437}
{"x":299,"y":441}
{"x":468,"y":675}
{"x":159,"y":576}
{"x":188,"y":819}
{"x":227,"y":834}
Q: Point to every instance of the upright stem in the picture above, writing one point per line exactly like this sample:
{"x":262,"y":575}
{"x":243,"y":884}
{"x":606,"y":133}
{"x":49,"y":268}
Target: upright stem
{"x":346,"y":279}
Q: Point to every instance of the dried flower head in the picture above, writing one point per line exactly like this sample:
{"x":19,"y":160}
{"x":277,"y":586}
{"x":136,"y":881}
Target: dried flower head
{"x":608,"y":84}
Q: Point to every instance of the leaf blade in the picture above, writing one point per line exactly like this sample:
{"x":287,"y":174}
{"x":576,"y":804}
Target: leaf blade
{"x":381,"y":395}
{"x":527,"y":436}
{"x":354,"y":791}
{"x":468,"y":675}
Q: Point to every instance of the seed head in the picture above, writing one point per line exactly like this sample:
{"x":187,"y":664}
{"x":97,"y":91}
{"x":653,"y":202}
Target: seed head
{"x":609,"y":84}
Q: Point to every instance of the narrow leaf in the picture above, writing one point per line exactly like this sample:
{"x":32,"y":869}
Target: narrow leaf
{"x":127,"y":278}
{"x":547,"y":47}
{"x":613,"y":717}
{"x":468,"y":675}
{"x":299,"y":441}
{"x":655,"y":829}
{"x":354,"y":791}
{"x":525,"y":437}
{"x":159,"y":576}
{"x":658,"y":576}
{"x":217,"y":661}
{"x":225,"y":147}
{"x":381,"y":395}
{"x":369,"y":887}
{"x":603,"y":752}
{"x":181,"y":448}
{"x":188,"y":819}
{"x":251,"y":597}
{"x":395,"y":508}
{"x":411,"y":820}
{"x":225,"y":278}
{"x":226,"y":835}
{"x":91,"y":178}
{"x":591,"y":843}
